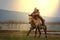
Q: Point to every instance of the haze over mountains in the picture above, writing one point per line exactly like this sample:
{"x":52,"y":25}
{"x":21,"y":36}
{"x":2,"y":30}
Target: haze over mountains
{"x":6,"y":15}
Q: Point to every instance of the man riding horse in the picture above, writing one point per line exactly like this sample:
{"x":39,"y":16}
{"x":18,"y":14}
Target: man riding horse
{"x":36,"y":14}
{"x":37,"y":19}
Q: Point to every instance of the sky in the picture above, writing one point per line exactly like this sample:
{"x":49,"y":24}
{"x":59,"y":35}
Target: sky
{"x":49,"y":8}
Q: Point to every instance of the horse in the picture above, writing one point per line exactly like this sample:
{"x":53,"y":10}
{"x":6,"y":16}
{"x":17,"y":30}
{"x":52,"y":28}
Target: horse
{"x":36,"y":24}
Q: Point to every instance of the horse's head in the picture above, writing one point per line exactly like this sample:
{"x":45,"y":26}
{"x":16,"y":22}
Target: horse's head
{"x":30,"y":18}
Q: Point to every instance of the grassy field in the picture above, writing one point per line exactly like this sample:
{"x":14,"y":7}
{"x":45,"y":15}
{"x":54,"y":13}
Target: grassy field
{"x":14,"y":37}
{"x":27,"y":38}
{"x":22,"y":36}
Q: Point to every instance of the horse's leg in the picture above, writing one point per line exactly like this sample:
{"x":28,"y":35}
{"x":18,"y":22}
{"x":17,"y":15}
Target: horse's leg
{"x":39,"y":32}
{"x":35,"y":32}
{"x":45,"y":30}
{"x":30,"y":31}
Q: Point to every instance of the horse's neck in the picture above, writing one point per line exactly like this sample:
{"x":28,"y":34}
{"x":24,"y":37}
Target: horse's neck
{"x":32,"y":22}
{"x":37,"y":20}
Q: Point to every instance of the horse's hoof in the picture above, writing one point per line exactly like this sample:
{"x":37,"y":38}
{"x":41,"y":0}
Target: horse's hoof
{"x":27,"y":35}
{"x":45,"y":36}
{"x":34,"y":36}
{"x":38,"y":36}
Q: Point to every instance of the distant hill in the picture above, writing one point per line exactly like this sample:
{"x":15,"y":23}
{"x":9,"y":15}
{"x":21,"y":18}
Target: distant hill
{"x":6,"y":15}
{"x":52,"y":19}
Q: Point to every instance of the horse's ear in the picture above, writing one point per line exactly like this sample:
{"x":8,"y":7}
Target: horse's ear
{"x":29,"y":15}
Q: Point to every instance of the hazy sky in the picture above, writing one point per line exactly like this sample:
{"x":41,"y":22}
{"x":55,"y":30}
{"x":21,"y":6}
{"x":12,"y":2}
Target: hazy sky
{"x":48,"y":8}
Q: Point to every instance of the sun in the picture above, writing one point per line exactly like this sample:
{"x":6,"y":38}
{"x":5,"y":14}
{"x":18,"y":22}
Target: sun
{"x":47,"y":7}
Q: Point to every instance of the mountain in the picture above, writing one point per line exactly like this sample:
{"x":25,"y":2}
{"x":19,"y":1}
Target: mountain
{"x":6,"y":15}
{"x":52,"y":19}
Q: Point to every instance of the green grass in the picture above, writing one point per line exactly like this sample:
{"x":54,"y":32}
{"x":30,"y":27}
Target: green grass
{"x":27,"y":38}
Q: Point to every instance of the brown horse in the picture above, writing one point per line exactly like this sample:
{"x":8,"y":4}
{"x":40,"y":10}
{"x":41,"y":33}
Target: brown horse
{"x":36,"y":24}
